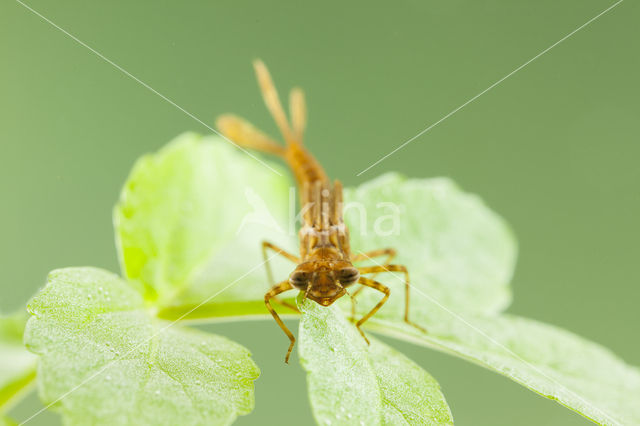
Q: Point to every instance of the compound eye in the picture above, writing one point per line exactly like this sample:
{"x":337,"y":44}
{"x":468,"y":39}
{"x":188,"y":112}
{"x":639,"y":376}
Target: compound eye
{"x":299,"y":279}
{"x":348,"y":276}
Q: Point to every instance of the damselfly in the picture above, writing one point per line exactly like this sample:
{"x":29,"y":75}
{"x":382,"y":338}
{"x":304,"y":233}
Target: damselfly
{"x":325,"y":267}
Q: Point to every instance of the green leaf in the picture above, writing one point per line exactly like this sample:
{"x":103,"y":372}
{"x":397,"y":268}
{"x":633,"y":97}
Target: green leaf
{"x":352,"y":383}
{"x":104,"y":359}
{"x":17,"y":365}
{"x":456,"y":248}
{"x":460,"y":255}
{"x":191,"y":218}
{"x":460,"y":252}
{"x":5,"y":421}
{"x":183,"y":246}
{"x":555,"y":363}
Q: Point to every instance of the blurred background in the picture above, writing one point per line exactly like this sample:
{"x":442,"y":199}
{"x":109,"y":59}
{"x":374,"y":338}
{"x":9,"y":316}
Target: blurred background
{"x":554,"y":148}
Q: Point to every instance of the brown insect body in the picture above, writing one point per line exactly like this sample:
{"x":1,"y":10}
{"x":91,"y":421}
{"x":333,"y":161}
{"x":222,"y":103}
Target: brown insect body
{"x":324,"y":269}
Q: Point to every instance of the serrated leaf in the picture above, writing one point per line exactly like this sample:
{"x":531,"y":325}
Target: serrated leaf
{"x":456,"y":248}
{"x":461,"y":256}
{"x":352,"y":383}
{"x":17,"y":365}
{"x":191,"y":217}
{"x":105,"y":360}
{"x":555,"y":363}
{"x":173,"y":237}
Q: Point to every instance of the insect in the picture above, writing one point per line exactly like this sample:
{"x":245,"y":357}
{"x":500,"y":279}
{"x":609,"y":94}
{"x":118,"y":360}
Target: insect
{"x":325,"y":267}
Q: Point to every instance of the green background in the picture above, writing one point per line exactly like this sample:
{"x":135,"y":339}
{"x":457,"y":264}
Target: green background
{"x":554,"y":148}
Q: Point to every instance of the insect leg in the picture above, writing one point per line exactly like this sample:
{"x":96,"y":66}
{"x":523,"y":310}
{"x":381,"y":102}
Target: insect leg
{"x":267,"y":245}
{"x":280,"y":288}
{"x":375,"y":285}
{"x":389,"y":252}
{"x":353,"y":301}
{"x":407,"y":286}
